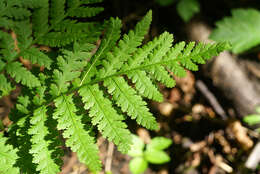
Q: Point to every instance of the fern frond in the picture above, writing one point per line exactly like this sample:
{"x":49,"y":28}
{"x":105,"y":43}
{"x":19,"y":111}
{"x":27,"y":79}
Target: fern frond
{"x":41,"y":153}
{"x":22,"y":104}
{"x":31,"y":4}
{"x":5,"y":86}
{"x":58,"y":39}
{"x":40,"y":19}
{"x":77,"y":137}
{"x":143,"y":83}
{"x":126,"y":46}
{"x":79,"y":9}
{"x":21,"y":74}
{"x":145,"y":86}
{"x":160,"y":74}
{"x":70,"y":66}
{"x":108,"y":42}
{"x":84,"y":72}
{"x":7,"y":50}
{"x":6,"y":23}
{"x":8,"y":157}
{"x":57,"y":11}
{"x":20,"y":139}
{"x":17,"y":13}
{"x":56,"y":34}
{"x":75,"y":26}
{"x":109,"y":122}
{"x":85,"y":12}
{"x":23,"y":34}
{"x":37,"y":57}
{"x":126,"y":97}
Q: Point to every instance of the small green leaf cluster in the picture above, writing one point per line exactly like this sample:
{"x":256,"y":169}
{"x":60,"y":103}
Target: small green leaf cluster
{"x":151,"y":153}
{"x":253,"y":119}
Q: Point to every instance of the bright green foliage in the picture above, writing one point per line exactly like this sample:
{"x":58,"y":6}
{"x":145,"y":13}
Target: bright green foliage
{"x":153,"y":153}
{"x":40,"y":151}
{"x":63,"y":30}
{"x":8,"y":157}
{"x":187,"y":9}
{"x":20,"y":74}
{"x":242,"y":29}
{"x":253,"y":119}
{"x":75,"y":72}
{"x":39,"y":22}
{"x":159,"y":143}
{"x":78,"y":139}
{"x":138,"y":165}
{"x":37,"y":57}
{"x":130,"y":102}
{"x":5,"y":86}
{"x":105,"y":116}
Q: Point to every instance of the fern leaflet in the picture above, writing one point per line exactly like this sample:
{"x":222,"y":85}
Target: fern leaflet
{"x":78,"y":139}
{"x":8,"y":157}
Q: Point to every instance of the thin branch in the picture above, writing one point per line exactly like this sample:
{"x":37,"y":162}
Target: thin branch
{"x":211,"y":98}
{"x":109,"y":158}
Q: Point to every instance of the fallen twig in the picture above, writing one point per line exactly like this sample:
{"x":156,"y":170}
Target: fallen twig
{"x":211,"y":98}
{"x":109,"y":158}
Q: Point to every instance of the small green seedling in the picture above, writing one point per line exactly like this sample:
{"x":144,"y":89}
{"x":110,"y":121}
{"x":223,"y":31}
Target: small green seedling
{"x":253,"y":118}
{"x":151,"y":153}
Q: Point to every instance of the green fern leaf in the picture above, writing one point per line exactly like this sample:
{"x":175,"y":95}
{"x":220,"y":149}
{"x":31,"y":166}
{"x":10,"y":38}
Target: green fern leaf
{"x":186,"y":60}
{"x":78,"y":139}
{"x":20,"y":74}
{"x":108,"y":42}
{"x":59,"y":39}
{"x":72,"y":4}
{"x":59,"y":31}
{"x":37,"y":57}
{"x":130,"y":102}
{"x":2,"y":64}
{"x":31,"y":4}
{"x":70,"y":66}
{"x":75,"y":26}
{"x":40,"y":19}
{"x":22,"y":104}
{"x":8,"y":157}
{"x":57,"y":11}
{"x":103,"y":115}
{"x":145,"y":86}
{"x":41,"y":153}
{"x":18,"y":13}
{"x":143,"y":83}
{"x":126,"y":46}
{"x":7,"y":50}
{"x":6,"y":23}
{"x":242,"y":30}
{"x":5,"y":86}
{"x":158,"y":71}
{"x":85,"y":12}
{"x":23,"y":33}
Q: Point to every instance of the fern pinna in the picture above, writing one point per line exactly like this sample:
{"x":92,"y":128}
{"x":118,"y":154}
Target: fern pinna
{"x":73,"y":83}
